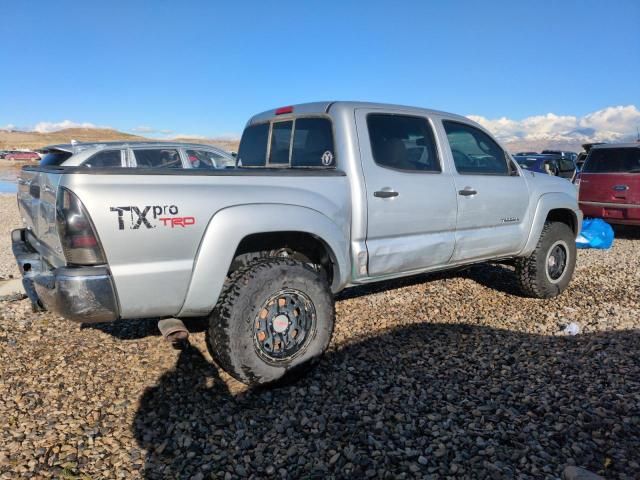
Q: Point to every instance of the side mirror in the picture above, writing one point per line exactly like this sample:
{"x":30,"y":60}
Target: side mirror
{"x":234,"y":154}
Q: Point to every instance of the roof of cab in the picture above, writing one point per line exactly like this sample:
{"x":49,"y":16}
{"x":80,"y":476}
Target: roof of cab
{"x":326,"y":107}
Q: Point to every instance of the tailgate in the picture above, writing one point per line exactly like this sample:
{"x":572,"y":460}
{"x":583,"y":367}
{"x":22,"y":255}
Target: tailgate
{"x":37,"y":192}
{"x":622,"y":188}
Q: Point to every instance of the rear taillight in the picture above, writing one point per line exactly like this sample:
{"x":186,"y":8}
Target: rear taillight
{"x":77,"y":234}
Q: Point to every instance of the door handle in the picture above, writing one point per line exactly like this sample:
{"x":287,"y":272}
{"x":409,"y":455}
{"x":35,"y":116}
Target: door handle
{"x":467,"y":192}
{"x":385,"y":194}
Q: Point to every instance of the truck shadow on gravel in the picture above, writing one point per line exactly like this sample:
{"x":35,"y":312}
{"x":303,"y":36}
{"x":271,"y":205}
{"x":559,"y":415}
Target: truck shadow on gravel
{"x":141,"y":328}
{"x":495,"y":276}
{"x":421,"y":400}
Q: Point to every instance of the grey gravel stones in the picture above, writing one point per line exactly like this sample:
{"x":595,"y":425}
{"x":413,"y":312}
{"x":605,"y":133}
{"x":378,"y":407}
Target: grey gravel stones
{"x":443,"y":376}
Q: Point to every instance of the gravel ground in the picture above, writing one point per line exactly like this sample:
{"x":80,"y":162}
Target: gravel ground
{"x":9,"y":219}
{"x":449,"y":375}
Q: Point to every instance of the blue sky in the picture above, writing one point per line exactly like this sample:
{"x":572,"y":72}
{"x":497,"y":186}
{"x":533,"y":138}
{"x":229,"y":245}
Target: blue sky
{"x":203,"y":67}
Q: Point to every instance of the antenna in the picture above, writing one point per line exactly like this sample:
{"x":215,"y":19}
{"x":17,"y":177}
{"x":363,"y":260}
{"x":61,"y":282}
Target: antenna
{"x":637,"y":135}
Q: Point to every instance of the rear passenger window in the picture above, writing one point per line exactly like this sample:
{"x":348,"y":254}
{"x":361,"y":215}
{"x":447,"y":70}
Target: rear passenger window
{"x":158,"y":158}
{"x":205,"y":159}
{"x":107,"y":158}
{"x":474,"y":152}
{"x":403,"y":142}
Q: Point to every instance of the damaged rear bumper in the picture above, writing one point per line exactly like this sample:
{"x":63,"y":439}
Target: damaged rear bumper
{"x":82,"y":294}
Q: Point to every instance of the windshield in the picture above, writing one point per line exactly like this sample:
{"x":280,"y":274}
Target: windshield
{"x":613,"y":160}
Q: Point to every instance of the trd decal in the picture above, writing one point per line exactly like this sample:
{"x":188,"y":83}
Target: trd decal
{"x":151,"y":216}
{"x":178,"y":221}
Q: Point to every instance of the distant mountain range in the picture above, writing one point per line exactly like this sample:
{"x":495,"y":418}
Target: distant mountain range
{"x":565,"y":144}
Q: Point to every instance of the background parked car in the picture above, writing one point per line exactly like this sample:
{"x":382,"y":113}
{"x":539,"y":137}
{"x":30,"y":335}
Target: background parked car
{"x":137,"y":155}
{"x":22,"y":156}
{"x":609,"y":183}
{"x":549,"y":164}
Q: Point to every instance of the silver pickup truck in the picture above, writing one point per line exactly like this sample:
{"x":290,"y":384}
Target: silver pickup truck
{"x":324,"y":196}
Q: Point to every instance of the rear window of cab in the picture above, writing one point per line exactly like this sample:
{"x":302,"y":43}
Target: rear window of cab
{"x":301,"y":142}
{"x":55,"y":158}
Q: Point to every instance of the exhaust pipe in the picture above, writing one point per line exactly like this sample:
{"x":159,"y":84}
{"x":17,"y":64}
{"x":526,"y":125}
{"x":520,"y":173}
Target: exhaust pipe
{"x":174,"y":331}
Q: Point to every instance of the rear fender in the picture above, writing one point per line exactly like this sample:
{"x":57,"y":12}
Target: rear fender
{"x":229,"y":226}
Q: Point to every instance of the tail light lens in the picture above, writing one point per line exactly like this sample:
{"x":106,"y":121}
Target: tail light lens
{"x":78,"y":236}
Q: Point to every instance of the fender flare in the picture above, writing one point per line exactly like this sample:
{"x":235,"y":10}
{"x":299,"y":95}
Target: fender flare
{"x":546,"y":203}
{"x":229,"y":226}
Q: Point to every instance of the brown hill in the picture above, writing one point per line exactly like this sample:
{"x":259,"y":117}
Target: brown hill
{"x":225,"y":144}
{"x":10,"y":140}
{"x":34,"y":140}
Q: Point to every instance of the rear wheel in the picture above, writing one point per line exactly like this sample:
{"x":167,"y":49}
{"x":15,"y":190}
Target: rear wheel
{"x":547,"y":272}
{"x":274,"y":316}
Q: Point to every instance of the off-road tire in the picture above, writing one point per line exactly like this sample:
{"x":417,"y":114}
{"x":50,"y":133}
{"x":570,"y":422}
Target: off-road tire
{"x":531,"y":271}
{"x":231,"y":338}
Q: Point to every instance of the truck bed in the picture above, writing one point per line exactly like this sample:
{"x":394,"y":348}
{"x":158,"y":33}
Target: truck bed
{"x":152,"y":223}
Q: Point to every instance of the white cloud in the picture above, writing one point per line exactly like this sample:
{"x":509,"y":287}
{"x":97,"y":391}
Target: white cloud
{"x":9,"y":126}
{"x":47,"y":127}
{"x":613,"y":121}
{"x":608,"y":124}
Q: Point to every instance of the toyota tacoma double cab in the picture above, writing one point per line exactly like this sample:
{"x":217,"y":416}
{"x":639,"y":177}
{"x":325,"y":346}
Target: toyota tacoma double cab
{"x":324,"y":196}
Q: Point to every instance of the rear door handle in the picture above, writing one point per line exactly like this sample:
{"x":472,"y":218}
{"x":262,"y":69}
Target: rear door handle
{"x":385,"y":194}
{"x":467,"y":192}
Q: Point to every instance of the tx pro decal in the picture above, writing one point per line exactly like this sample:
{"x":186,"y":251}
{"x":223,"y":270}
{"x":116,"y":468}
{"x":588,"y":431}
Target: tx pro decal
{"x":151,"y":216}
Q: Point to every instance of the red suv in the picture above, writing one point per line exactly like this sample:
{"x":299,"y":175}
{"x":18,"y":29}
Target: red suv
{"x":610,"y":183}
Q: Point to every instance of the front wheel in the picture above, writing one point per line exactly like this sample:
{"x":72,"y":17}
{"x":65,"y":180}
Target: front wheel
{"x":547,"y":272}
{"x":274,"y":316}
